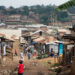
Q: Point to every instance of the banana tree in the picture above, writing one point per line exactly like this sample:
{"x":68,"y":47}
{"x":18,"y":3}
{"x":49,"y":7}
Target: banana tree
{"x":66,"y":5}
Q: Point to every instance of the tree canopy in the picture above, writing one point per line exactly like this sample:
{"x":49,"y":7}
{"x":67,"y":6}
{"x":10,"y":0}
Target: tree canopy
{"x":66,"y":5}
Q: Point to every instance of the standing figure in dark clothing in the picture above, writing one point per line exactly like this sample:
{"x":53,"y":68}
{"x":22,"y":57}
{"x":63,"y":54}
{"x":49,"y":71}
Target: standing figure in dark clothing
{"x":52,"y":52}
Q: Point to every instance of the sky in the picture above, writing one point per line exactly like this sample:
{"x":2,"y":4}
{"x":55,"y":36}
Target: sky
{"x":19,"y":3}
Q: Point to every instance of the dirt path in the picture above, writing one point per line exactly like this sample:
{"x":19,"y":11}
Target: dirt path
{"x":33,"y":66}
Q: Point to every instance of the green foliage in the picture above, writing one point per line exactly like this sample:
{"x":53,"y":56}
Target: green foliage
{"x":46,"y":55}
{"x":26,"y":10}
{"x":58,"y":70}
{"x":50,"y":60}
{"x":64,"y":19}
{"x":11,"y":8}
{"x":44,"y":19}
{"x":63,"y":16}
{"x":66,"y":5}
{"x":54,"y":64}
{"x":2,"y":8}
{"x":44,"y":12}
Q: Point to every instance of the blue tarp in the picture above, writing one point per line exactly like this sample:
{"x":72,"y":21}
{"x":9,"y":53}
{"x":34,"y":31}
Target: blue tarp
{"x":33,"y":43}
{"x":60,"y":48}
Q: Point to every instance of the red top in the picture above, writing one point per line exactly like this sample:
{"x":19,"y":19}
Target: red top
{"x":20,"y":69}
{"x":33,"y":54}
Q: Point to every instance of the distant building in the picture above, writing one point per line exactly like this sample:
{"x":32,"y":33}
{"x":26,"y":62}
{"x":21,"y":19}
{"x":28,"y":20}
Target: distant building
{"x":3,"y":18}
{"x":35,"y":25}
{"x":55,"y":24}
{"x":68,"y":23}
{"x":14,"y":26}
{"x":24,"y":17}
{"x":14,"y":17}
{"x":44,"y":28}
{"x":13,"y":20}
{"x":72,"y":17}
{"x":18,"y":21}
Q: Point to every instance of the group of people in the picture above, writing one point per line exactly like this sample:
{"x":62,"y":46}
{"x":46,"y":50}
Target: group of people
{"x":29,"y":51}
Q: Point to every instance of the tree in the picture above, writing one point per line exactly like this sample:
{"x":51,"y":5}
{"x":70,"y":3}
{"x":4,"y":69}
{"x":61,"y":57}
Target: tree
{"x":2,"y":7}
{"x":26,"y":10}
{"x":44,"y":19}
{"x":11,"y":8}
{"x":66,"y":5}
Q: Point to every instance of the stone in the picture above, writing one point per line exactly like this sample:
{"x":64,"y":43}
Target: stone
{"x":6,"y":72}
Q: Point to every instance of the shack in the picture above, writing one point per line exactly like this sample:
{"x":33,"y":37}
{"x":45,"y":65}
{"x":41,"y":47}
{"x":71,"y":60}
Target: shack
{"x":6,"y":46}
{"x":50,"y":44}
{"x":45,"y":44}
{"x":39,"y":43}
{"x":71,"y":46}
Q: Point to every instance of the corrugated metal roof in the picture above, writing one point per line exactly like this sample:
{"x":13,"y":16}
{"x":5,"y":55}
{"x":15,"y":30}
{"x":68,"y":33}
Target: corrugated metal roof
{"x":50,"y":39}
{"x":39,"y":40}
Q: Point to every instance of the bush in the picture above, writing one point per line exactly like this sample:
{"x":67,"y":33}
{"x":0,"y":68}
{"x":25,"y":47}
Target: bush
{"x":54,"y":65}
{"x":38,"y":57}
{"x":46,"y":55}
{"x":58,"y":70}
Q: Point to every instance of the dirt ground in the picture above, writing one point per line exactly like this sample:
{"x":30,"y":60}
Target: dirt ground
{"x":33,"y":66}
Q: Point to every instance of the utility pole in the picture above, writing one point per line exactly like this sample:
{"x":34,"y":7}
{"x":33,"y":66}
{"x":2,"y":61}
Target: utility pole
{"x":0,"y":53}
{"x":53,"y":19}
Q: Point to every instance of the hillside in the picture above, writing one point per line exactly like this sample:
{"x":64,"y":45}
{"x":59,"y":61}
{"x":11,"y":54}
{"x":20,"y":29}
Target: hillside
{"x":40,"y":13}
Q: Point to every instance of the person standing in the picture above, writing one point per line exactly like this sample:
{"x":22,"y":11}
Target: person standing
{"x":21,"y":56}
{"x":35,"y":51}
{"x":29,"y":55}
{"x":52,"y":53}
{"x":20,"y":67}
{"x":31,"y":49}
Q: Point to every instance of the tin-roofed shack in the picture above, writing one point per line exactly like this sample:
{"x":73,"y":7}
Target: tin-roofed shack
{"x":13,"y":34}
{"x":46,"y":43}
{"x":6,"y":46}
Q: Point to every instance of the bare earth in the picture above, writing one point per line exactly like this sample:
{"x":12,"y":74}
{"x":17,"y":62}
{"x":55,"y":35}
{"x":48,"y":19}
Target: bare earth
{"x":33,"y":66}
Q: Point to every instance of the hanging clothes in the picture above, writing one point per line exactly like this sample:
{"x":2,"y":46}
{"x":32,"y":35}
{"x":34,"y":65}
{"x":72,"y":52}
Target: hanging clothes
{"x":4,"y":49}
{"x":60,"y":49}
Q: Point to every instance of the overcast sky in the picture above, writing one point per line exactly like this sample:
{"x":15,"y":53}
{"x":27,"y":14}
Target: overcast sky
{"x":18,"y":3}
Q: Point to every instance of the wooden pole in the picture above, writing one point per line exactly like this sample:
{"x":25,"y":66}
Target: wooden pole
{"x":0,"y":53}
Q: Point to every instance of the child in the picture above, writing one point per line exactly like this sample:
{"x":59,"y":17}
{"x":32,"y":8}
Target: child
{"x":21,"y":56}
{"x":29,"y":54}
{"x":20,"y":67}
